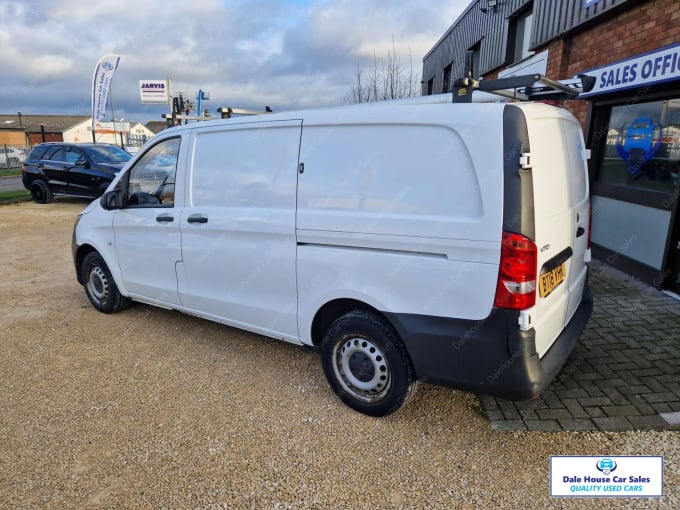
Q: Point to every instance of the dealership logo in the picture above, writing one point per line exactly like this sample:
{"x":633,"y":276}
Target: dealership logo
{"x":107,"y":65}
{"x":606,"y":466}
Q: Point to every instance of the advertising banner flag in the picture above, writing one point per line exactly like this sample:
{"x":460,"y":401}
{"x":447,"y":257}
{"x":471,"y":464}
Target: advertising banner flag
{"x":101,"y":82}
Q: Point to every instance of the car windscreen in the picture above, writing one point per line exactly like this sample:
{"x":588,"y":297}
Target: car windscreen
{"x":107,"y":154}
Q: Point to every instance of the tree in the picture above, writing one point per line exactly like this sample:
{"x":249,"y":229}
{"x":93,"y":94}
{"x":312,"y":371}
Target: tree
{"x":387,"y":80}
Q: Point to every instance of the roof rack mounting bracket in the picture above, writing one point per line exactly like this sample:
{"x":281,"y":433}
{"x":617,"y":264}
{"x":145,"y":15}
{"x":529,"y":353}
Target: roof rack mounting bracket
{"x":529,"y":87}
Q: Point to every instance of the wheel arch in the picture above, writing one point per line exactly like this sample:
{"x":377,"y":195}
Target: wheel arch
{"x":80,"y":254}
{"x":335,"y":309}
{"x":83,"y":250}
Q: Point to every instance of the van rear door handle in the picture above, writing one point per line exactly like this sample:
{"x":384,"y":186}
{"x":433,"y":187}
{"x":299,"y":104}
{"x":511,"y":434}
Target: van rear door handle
{"x":164,"y":218}
{"x":580,"y":231}
{"x":197,"y":218}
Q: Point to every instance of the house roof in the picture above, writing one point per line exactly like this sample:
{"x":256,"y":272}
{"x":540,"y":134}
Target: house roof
{"x":156,"y":126}
{"x":52,"y":123}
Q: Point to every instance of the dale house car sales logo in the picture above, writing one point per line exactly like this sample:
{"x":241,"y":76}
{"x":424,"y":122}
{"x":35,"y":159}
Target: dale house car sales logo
{"x":589,"y":476}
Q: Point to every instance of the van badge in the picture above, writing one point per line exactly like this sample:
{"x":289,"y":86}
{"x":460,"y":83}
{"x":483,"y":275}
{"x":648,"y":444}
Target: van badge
{"x":545,"y":248}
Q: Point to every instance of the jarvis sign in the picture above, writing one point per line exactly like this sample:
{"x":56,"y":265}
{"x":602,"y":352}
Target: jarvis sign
{"x":642,"y":70}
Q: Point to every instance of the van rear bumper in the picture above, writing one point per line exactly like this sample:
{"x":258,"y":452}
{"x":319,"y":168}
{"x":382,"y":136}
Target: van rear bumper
{"x":491,"y":356}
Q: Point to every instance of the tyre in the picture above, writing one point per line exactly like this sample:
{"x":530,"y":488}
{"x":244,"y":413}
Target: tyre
{"x":40,"y":193}
{"x":100,"y":287}
{"x":366,"y":364}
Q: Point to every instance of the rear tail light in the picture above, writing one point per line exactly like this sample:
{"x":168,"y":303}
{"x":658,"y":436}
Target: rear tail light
{"x":590,"y":224}
{"x":23,"y":167}
{"x":516,"y":287}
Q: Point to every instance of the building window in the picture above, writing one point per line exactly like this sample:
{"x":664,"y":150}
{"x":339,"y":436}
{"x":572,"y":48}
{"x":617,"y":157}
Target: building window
{"x":476,"y":58}
{"x":641,"y":146}
{"x":446,"y":82}
{"x":430,"y":86}
{"x":520,"y":36}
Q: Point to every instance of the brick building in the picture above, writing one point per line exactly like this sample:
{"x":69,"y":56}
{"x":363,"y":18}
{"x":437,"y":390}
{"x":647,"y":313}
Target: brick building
{"x":631,"y":119}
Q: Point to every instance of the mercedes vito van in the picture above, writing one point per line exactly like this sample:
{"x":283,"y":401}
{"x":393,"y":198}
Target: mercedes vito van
{"x":446,"y":243}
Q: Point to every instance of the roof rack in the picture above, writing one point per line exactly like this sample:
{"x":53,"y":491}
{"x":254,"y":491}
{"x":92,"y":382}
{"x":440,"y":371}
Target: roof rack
{"x":225,"y":112}
{"x":530,"y":87}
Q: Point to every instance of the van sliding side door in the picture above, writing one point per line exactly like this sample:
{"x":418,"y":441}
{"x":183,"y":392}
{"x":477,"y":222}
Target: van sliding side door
{"x":238,"y":226}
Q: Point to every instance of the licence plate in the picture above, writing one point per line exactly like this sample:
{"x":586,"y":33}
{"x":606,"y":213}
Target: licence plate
{"x":548,"y":281}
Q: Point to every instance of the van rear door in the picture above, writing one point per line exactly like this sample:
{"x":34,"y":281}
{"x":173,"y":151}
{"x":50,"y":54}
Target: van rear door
{"x":557,"y":162}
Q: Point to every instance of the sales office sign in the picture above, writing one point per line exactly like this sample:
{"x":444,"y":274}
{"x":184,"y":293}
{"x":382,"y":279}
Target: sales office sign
{"x":606,"y":477}
{"x":640,"y":71}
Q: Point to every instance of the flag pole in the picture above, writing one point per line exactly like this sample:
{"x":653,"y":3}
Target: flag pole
{"x":113,"y":113}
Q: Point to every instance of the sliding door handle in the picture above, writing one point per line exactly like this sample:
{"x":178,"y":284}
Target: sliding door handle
{"x":197,"y":218}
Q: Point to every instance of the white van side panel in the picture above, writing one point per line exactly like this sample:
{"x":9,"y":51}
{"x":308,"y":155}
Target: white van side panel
{"x":405,"y":282}
{"x":404,"y":214}
{"x":374,"y":179}
{"x":240,"y":264}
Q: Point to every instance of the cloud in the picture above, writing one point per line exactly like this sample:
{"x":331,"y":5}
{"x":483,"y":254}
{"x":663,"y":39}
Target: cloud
{"x":297,"y":53}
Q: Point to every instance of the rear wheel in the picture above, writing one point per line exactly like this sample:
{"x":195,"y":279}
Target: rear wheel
{"x":40,"y":192}
{"x":100,"y":287}
{"x":366,"y":364}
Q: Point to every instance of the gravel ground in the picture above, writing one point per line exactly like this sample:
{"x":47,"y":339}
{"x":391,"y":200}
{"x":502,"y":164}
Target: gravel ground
{"x":155,"y":409}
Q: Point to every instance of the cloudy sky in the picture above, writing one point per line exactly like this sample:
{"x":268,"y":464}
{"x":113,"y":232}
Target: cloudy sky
{"x":245,"y":53}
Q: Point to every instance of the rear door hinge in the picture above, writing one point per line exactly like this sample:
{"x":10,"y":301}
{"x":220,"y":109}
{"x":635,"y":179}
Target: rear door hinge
{"x":525,"y":160}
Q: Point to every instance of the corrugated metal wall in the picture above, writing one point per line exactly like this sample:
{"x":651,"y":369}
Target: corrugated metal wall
{"x":555,"y":17}
{"x":551,"y":19}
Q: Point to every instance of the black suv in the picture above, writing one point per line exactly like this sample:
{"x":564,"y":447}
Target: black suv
{"x":76,"y":169}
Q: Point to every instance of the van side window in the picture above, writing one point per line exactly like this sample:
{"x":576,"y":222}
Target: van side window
{"x":152,"y":179}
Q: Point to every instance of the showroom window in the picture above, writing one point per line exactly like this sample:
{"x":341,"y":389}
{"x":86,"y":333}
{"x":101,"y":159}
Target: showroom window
{"x":641,"y":146}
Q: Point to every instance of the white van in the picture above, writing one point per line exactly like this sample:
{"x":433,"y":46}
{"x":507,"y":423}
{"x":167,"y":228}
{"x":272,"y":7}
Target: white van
{"x":446,"y":243}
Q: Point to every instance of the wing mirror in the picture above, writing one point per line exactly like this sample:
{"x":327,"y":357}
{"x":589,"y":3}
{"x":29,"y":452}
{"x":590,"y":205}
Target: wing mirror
{"x":112,"y":200}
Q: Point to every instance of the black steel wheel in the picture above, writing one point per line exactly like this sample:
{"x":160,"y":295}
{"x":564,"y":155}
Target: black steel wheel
{"x":100,"y":287}
{"x":366,"y":364}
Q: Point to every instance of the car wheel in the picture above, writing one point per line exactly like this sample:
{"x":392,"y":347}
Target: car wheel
{"x":40,"y":193}
{"x":366,"y":364}
{"x":100,"y":287}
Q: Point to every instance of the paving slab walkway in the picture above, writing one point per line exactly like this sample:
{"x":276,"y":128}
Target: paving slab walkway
{"x":624,"y":373}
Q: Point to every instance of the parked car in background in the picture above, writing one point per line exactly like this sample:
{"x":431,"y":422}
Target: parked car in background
{"x":82,"y":169}
{"x":11,"y":157}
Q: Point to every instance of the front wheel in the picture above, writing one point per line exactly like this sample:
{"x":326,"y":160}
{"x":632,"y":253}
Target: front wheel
{"x":100,"y":287}
{"x":366,"y":364}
